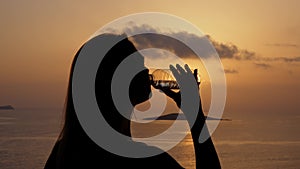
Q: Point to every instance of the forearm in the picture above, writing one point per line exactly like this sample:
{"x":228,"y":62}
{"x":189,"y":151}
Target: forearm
{"x":206,"y":155}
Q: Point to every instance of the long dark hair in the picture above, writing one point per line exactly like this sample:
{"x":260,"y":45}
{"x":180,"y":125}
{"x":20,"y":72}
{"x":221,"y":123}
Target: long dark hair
{"x":72,"y":135}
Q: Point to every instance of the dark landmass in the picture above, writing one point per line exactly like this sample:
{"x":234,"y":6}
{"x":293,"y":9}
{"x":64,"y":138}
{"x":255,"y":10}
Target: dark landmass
{"x":173,"y":116}
{"x":6,"y":107}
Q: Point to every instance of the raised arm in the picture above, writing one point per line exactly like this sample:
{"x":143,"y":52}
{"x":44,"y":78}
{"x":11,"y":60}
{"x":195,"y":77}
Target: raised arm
{"x":206,"y":155}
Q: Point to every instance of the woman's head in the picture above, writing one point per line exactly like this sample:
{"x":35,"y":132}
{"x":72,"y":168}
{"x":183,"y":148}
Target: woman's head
{"x":139,"y":88}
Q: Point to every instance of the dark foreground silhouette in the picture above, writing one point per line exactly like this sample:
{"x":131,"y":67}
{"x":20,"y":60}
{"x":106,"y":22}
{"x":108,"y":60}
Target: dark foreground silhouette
{"x":7,"y":107}
{"x":180,"y":116}
{"x":74,"y":148}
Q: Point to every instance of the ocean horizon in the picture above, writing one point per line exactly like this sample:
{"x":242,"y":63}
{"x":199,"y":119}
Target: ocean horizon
{"x":28,"y":136}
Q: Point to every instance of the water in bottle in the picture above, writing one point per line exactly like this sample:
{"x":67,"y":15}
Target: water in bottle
{"x":163,"y":78}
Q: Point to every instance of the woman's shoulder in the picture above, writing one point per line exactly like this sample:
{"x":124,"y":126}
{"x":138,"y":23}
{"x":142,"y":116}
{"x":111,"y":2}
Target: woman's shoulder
{"x":52,"y":159}
{"x":88,"y":156}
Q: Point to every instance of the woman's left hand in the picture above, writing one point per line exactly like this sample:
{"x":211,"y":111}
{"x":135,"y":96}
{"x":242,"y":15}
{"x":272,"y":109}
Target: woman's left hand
{"x":188,"y":97}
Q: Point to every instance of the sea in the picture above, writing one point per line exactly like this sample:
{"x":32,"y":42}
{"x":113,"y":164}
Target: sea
{"x":246,"y":141}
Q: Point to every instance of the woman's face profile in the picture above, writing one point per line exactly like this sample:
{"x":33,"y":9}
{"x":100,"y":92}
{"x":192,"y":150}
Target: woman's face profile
{"x":140,"y":87}
{"x":123,"y":56}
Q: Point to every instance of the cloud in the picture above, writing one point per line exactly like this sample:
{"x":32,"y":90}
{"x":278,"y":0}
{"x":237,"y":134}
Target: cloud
{"x":287,"y":59}
{"x":282,"y":45}
{"x":231,"y":51}
{"x":263,"y":65}
{"x":166,"y":42}
{"x":262,"y":60}
{"x":231,"y":71}
{"x":224,"y":50}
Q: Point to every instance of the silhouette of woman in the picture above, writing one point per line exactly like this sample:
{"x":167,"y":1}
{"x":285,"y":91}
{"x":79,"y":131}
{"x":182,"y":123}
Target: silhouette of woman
{"x":75,"y":149}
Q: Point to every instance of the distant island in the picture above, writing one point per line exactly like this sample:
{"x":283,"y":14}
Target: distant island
{"x":180,"y":116}
{"x":6,"y":107}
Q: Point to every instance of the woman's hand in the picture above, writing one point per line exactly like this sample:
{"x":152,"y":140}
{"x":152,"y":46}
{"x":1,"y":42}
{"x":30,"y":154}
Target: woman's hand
{"x":187,"y":98}
{"x":183,"y":77}
{"x":176,"y":96}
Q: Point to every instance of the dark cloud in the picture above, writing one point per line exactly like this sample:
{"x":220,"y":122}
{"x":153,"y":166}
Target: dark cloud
{"x":166,"y":42}
{"x":225,"y":50}
{"x":295,"y":59}
{"x":283,"y":45}
{"x":288,"y":59}
{"x":231,"y":51}
{"x":163,"y":42}
{"x":263,"y":65}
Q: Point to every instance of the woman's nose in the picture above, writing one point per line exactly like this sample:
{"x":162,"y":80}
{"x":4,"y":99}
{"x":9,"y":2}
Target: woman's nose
{"x":151,"y":78}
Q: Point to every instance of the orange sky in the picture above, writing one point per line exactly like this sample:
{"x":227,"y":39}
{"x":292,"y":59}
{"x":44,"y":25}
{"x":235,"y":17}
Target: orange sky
{"x":39,"y":39}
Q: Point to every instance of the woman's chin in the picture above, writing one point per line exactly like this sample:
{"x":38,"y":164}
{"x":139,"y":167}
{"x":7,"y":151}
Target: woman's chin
{"x":150,"y":95}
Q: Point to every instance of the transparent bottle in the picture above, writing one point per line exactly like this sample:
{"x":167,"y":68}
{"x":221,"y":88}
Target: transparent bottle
{"x":163,"y":78}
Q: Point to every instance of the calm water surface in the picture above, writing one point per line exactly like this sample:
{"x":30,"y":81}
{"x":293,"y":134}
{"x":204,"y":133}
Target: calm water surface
{"x":246,"y":142}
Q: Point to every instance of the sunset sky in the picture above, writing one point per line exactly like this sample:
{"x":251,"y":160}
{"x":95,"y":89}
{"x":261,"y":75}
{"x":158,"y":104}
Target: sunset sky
{"x":40,"y":38}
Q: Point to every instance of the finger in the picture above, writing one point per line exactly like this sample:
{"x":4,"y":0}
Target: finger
{"x":180,"y":69}
{"x":187,"y":68}
{"x":174,"y":71}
